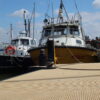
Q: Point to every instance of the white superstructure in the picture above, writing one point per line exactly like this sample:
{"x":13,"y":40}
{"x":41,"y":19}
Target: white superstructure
{"x":64,"y":34}
{"x":20,"y":45}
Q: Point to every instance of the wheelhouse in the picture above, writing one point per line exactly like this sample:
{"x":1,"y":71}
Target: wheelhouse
{"x":58,"y":30}
{"x":22,"y":41}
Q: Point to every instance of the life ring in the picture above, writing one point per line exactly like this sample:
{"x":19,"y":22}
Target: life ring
{"x":10,"y":50}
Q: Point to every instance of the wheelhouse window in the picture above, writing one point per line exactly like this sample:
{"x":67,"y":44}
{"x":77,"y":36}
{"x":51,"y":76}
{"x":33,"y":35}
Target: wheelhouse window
{"x":74,"y":30}
{"x":15,"y":42}
{"x":57,"y":32}
{"x":60,"y":31}
{"x":33,"y":42}
{"x":47,"y":32}
{"x":66,"y":31}
{"x":24,"y":42}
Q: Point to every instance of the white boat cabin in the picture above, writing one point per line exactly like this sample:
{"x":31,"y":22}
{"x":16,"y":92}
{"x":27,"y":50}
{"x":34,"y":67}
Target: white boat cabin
{"x":64,"y":34}
{"x":22,"y":44}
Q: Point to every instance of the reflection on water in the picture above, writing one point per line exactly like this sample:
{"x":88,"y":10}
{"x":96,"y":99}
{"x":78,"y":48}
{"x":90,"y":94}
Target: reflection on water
{"x":10,"y":73}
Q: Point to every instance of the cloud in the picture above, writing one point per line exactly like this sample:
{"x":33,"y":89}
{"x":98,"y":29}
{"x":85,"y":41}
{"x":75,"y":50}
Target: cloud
{"x":91,"y":23}
{"x":19,"y":13}
{"x":56,"y":11}
{"x":91,"y":17}
{"x":96,"y":3}
{"x":1,"y":30}
{"x":4,"y":35}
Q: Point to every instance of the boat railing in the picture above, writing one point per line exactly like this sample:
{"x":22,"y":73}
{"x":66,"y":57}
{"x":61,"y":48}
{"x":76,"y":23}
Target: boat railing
{"x":89,"y":46}
{"x":51,"y":21}
{"x":2,"y":44}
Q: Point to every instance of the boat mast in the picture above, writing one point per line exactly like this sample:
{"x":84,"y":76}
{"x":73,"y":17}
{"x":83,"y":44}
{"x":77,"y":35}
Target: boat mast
{"x":79,"y":15}
{"x":52,"y":13}
{"x":33,"y":20}
{"x":52,"y":21}
{"x":11,"y":32}
{"x":25,"y":23}
{"x":80,"y":20}
{"x":60,"y":14}
{"x":29,"y":22}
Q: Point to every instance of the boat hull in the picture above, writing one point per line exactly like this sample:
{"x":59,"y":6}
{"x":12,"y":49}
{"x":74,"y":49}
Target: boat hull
{"x":66,"y":55}
{"x":12,"y":62}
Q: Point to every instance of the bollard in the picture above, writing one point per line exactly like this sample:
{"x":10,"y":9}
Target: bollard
{"x":42,"y":58}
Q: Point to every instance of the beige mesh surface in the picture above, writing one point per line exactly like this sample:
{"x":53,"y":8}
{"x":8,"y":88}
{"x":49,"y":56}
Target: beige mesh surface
{"x":67,"y":82}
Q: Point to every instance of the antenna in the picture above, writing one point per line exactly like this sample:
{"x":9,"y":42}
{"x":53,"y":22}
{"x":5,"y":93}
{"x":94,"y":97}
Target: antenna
{"x":52,"y":20}
{"x":80,"y":17}
{"x":46,"y":14}
{"x":32,"y":17}
{"x":25,"y":23}
{"x":29,"y":22}
{"x":11,"y":33}
{"x":33,"y":20}
{"x":60,"y":16}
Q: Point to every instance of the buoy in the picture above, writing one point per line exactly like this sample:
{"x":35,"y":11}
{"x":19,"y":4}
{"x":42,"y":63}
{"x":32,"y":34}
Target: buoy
{"x":10,"y":50}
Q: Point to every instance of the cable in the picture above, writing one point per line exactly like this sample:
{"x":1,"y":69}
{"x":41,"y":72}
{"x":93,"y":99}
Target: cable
{"x":46,"y":14}
{"x":73,"y":55}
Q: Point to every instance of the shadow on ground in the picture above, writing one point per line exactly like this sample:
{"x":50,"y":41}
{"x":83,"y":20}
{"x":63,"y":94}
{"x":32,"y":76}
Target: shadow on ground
{"x":80,"y":69}
{"x":14,"y":72}
{"x":58,"y":78}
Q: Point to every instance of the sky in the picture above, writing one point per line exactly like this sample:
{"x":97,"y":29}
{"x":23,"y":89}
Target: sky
{"x":11,"y":12}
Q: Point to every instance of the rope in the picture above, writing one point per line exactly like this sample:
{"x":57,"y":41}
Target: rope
{"x":46,"y":14}
{"x":74,"y":56}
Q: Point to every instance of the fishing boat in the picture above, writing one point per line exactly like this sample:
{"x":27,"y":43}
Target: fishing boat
{"x":15,"y":53}
{"x":63,"y":41}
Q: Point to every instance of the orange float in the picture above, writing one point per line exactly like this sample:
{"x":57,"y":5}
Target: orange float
{"x":10,"y":50}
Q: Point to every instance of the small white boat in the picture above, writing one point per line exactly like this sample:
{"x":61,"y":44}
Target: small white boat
{"x":15,"y":54}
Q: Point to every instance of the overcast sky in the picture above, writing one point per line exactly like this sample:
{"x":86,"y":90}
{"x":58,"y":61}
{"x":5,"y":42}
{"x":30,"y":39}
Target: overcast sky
{"x":11,"y":12}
